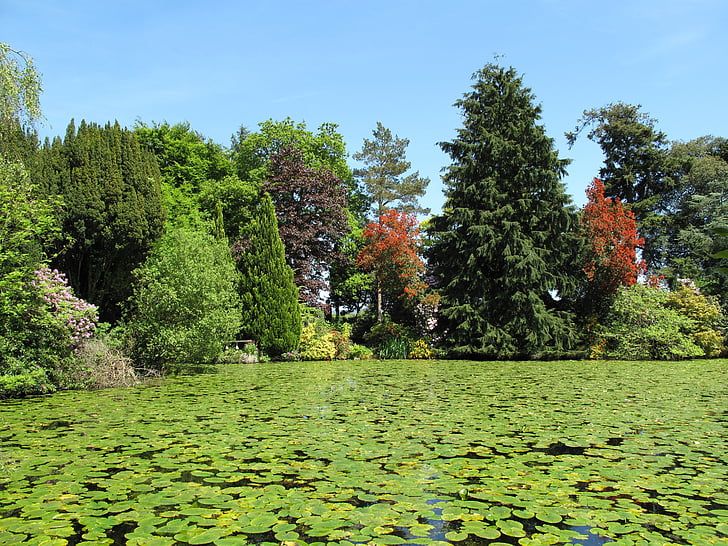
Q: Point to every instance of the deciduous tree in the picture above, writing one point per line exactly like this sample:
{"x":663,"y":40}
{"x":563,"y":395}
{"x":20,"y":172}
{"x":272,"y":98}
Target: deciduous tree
{"x":391,"y":252}
{"x":611,"y":242}
{"x":310,"y":205}
{"x":185,"y":305}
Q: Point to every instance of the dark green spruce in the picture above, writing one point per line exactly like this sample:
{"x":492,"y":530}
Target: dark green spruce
{"x":271,"y":313}
{"x":503,"y":246}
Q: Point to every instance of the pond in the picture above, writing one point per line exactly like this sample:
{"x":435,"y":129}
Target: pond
{"x":390,"y":452}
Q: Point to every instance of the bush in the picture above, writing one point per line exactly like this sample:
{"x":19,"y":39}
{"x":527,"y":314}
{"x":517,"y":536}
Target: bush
{"x":641,"y":325}
{"x":421,"y":350}
{"x":185,"y":306}
{"x":42,"y":328}
{"x":316,"y":344}
{"x":360,"y":352}
{"x":103,"y":365}
{"x":706,"y":315}
{"x":391,"y":340}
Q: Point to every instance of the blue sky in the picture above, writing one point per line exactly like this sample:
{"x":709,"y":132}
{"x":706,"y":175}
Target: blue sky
{"x":222,"y":64}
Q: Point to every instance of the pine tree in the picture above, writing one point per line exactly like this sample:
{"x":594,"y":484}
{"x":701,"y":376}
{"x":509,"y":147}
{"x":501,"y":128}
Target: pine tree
{"x":271,"y":313}
{"x":501,"y":247}
{"x":384,"y":177}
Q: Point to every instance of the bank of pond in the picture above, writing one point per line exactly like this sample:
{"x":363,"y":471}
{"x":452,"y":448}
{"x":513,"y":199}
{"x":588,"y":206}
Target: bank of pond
{"x":376,"y":452}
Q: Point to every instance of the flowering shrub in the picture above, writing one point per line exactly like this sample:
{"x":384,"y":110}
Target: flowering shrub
{"x":42,"y":331}
{"x":421,"y":350}
{"x":73,"y":317}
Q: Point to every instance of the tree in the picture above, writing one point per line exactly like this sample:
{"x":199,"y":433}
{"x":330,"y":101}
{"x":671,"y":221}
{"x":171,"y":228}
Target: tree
{"x":505,"y":242}
{"x":20,"y":88}
{"x":384,"y":177}
{"x":392,"y":253}
{"x":635,"y":168}
{"x":113,"y":209}
{"x":609,"y":231}
{"x":191,"y":167}
{"x":185,"y":304}
{"x":686,"y":242}
{"x":270,"y":310}
{"x":252,"y":152}
{"x":310,"y":205}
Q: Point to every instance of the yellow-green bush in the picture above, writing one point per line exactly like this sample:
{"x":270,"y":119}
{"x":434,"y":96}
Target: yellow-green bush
{"x":316,"y":345}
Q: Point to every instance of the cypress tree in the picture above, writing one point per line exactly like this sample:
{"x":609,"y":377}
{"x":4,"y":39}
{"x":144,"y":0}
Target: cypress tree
{"x":501,"y":247}
{"x":113,"y":209}
{"x":270,"y":309}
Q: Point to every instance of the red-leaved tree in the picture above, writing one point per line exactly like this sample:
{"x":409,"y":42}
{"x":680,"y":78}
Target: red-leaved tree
{"x":610,"y":232}
{"x":391,"y":252}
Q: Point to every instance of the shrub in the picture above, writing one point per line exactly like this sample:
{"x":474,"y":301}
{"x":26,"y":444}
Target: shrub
{"x":185,"y":305}
{"x":360,"y":352}
{"x":641,"y":325}
{"x":391,"y":340}
{"x":705,"y":314}
{"x":316,"y":344}
{"x":421,"y":350}
{"x":42,"y":329}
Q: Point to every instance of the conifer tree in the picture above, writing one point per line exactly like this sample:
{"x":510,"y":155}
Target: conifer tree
{"x":270,"y":309}
{"x":113,"y":209}
{"x":501,"y":247}
{"x":387,"y":186}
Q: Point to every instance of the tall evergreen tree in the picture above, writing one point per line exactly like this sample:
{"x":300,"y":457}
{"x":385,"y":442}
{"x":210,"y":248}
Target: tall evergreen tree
{"x":113,"y":209}
{"x":271,"y":314}
{"x":387,"y":186}
{"x":502,"y":246}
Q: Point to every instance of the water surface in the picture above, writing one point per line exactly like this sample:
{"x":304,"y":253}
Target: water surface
{"x":392,"y":452}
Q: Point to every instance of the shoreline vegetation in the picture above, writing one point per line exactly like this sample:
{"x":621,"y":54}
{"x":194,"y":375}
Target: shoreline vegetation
{"x":142,"y":251}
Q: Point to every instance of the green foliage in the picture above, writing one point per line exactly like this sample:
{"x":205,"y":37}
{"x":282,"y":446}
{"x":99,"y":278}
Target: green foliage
{"x":643,"y":325}
{"x":18,"y":385}
{"x":325,"y":148}
{"x":270,"y":310}
{"x":193,"y":169}
{"x":20,"y":88}
{"x":684,"y":239}
{"x":635,"y":153}
{"x":706,"y":315}
{"x":383,"y":176}
{"x":505,"y":242}
{"x":390,"y":340}
{"x":396,"y":348}
{"x":184,"y":307}
{"x":113,"y":209}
